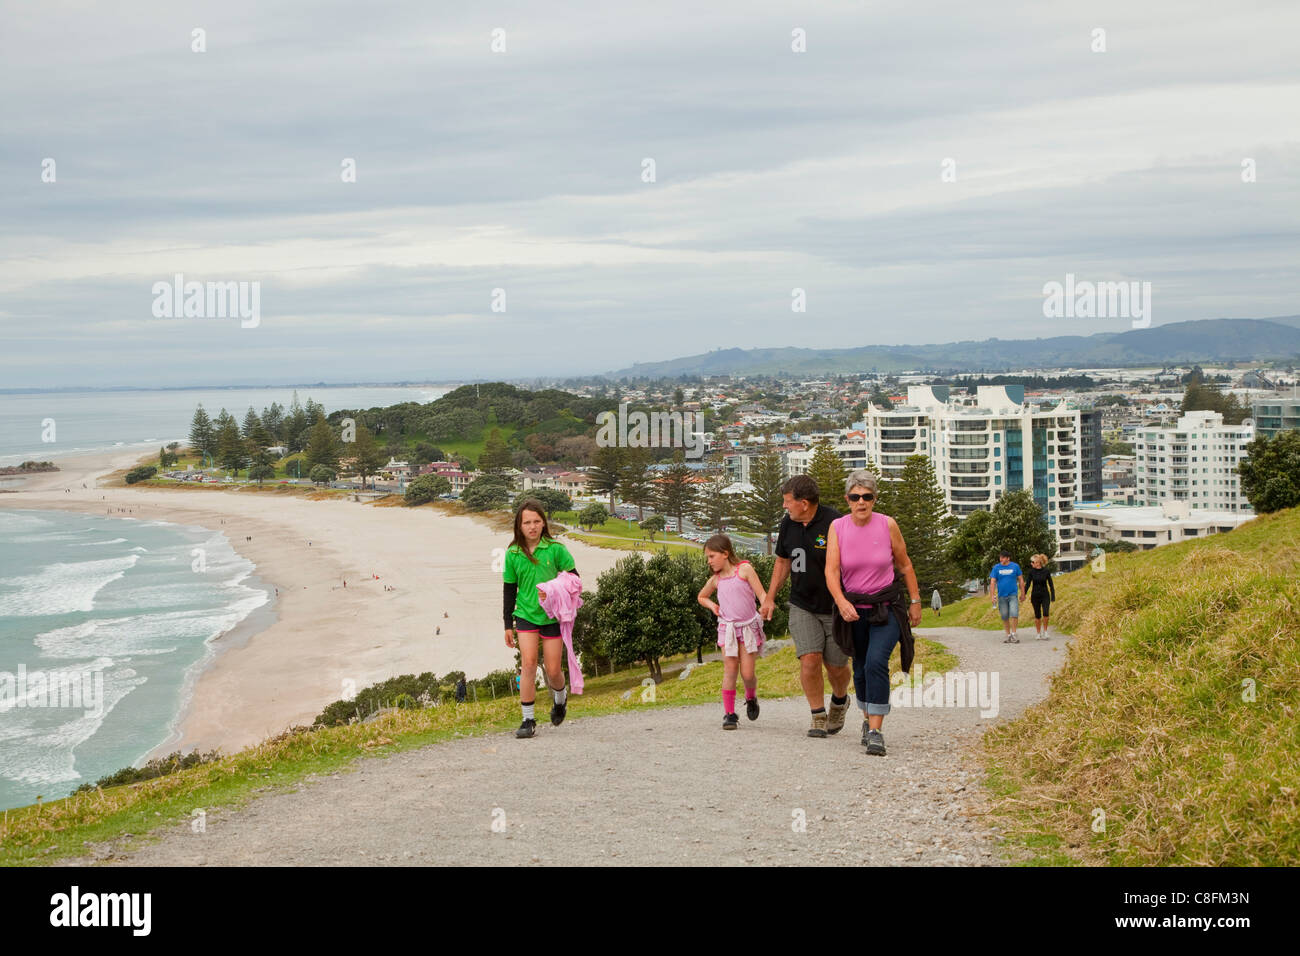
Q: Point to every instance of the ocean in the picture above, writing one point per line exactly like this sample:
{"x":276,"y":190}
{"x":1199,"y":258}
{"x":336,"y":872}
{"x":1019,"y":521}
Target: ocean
{"x":121,"y":608}
{"x":102,"y":420}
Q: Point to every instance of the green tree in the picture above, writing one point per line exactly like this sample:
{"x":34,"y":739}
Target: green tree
{"x":827,"y":469}
{"x":970,"y":544}
{"x":322,"y":474}
{"x":231,"y":453}
{"x":260,"y":473}
{"x":675,"y":490}
{"x":761,"y":510}
{"x":1270,"y":475}
{"x":713,"y":509}
{"x":592,"y":516}
{"x":607,"y":475}
{"x":917,"y":504}
{"x":646,"y":611}
{"x":635,"y":485}
{"x":426,"y":488}
{"x":322,"y":447}
{"x":1017,"y":524}
{"x":203,"y":435}
{"x":653,"y":525}
{"x":552,"y":500}
{"x":486,"y":493}
{"x":251,"y":423}
{"x":496,"y":456}
{"x":366,"y":455}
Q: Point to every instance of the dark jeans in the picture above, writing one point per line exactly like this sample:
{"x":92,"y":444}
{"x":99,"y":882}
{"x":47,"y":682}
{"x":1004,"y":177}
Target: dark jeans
{"x":871,"y":650}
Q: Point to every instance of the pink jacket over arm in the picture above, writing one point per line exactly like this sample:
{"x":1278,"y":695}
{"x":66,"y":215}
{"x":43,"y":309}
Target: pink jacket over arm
{"x":560,"y":598}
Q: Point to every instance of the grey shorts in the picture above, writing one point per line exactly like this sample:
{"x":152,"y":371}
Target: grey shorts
{"x":812,"y":635}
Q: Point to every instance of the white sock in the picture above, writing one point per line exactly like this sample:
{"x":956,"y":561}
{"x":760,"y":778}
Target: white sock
{"x":528,"y":711}
{"x":559,"y":696}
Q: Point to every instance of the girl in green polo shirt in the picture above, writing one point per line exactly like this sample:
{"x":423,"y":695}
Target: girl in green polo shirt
{"x":533,"y":558}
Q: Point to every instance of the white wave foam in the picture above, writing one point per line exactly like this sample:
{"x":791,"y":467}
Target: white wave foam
{"x":61,"y":588}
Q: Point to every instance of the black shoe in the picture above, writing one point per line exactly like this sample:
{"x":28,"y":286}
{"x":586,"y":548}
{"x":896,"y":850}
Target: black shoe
{"x":527,"y":728}
{"x":730,"y":721}
{"x":866,"y":729}
{"x":751,"y":708}
{"x":558,"y":711}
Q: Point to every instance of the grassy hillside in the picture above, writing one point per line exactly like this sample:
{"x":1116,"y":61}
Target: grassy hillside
{"x":1172,"y":733}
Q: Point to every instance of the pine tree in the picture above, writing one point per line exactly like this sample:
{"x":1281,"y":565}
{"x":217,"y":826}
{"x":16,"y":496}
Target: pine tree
{"x":496,"y":456}
{"x":713,"y":509}
{"x":608,"y":473}
{"x":231,"y":452}
{"x":203,"y":435}
{"x":636,"y":486}
{"x":368,"y":458}
{"x":675,"y":490}
{"x":827,"y":469}
{"x":251,"y":422}
{"x":322,"y":446}
{"x":761,"y":509}
{"x":917,"y":504}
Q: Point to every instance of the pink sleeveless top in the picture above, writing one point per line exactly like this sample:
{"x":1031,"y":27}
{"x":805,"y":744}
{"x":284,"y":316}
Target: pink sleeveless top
{"x":866,"y":554}
{"x":735,"y":597}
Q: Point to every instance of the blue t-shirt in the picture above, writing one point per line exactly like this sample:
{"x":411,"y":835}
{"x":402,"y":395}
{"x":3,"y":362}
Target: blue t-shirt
{"x":1007,"y":576}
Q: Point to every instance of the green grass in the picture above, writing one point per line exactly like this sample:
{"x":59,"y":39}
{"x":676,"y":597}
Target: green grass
{"x":43,"y":833}
{"x":1149,"y":720}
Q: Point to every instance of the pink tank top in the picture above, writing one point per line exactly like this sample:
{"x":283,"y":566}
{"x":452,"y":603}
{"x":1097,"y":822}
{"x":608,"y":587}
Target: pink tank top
{"x":866,"y":554}
{"x":736,"y":598}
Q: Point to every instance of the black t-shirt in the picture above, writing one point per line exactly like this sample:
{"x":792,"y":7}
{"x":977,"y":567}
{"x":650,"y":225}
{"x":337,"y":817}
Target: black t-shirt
{"x":808,"y":586}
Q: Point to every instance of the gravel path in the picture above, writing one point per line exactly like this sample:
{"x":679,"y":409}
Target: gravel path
{"x":646,"y":788}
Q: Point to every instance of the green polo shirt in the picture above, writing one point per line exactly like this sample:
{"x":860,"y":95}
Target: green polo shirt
{"x":552,"y":558}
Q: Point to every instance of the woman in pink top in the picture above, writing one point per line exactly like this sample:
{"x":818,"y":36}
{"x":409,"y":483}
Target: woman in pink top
{"x":740,"y":629}
{"x":863,"y":552}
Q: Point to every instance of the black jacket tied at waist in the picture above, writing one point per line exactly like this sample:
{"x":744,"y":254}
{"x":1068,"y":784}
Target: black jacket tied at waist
{"x":892,"y":599}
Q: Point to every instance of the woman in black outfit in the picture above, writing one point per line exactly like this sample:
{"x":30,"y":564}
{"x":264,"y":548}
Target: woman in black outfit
{"x":1042,"y":592}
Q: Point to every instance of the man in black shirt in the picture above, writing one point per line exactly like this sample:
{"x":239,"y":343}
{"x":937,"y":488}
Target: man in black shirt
{"x":801,"y":554}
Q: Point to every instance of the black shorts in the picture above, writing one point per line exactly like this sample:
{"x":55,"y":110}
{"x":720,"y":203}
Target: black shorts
{"x":546,"y":630}
{"x":1042,"y":605}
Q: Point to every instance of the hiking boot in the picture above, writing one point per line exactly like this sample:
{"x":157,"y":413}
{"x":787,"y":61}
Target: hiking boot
{"x":835,"y":715}
{"x":558,"y":711}
{"x":818,"y":728}
{"x":730,"y":721}
{"x":527,"y":729}
{"x":875,"y":741}
{"x":751,"y":708}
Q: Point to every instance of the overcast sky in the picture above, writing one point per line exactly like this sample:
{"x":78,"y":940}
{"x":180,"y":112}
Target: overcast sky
{"x":523,"y":170}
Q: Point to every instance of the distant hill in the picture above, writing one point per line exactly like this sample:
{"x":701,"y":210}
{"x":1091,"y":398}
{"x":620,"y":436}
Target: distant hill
{"x":1177,"y":343}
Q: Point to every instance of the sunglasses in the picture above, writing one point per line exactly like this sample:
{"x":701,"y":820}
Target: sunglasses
{"x":867,"y":497}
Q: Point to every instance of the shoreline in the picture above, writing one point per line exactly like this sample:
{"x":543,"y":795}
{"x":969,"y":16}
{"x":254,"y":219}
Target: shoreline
{"x":271,"y":674}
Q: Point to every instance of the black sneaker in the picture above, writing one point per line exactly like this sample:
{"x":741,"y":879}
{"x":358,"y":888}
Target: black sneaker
{"x":751,"y":708}
{"x":527,"y":729}
{"x":875,"y":741}
{"x":730,"y":721}
{"x":558,"y":712}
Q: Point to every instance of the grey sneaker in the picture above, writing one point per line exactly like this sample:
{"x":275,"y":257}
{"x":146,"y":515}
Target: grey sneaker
{"x":866,"y":733}
{"x":835,"y":715}
{"x":875,"y":741}
{"x":1011,"y":639}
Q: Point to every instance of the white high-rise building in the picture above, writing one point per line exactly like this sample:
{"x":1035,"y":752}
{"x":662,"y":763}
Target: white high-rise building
{"x":1194,"y":461}
{"x":986,"y":446}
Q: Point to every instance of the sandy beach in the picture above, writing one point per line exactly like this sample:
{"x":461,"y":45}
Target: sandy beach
{"x":322,"y":634}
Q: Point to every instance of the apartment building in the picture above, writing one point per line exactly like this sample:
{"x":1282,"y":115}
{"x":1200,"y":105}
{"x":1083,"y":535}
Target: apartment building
{"x":1149,"y":527}
{"x":1195,"y":461}
{"x":1273,"y":414}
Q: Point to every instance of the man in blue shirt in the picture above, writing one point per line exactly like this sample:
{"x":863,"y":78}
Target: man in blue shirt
{"x":1009,"y":581}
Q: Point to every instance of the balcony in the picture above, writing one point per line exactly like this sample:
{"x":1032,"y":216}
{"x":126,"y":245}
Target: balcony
{"x":968,"y":439}
{"x":968,"y":453}
{"x":957,"y":496}
{"x":969,"y":468}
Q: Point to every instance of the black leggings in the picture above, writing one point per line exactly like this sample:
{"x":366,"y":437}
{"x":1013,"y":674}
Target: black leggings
{"x":1042,"y":605}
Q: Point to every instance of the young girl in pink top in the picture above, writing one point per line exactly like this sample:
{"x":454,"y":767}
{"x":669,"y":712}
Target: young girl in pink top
{"x":740,"y":629}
